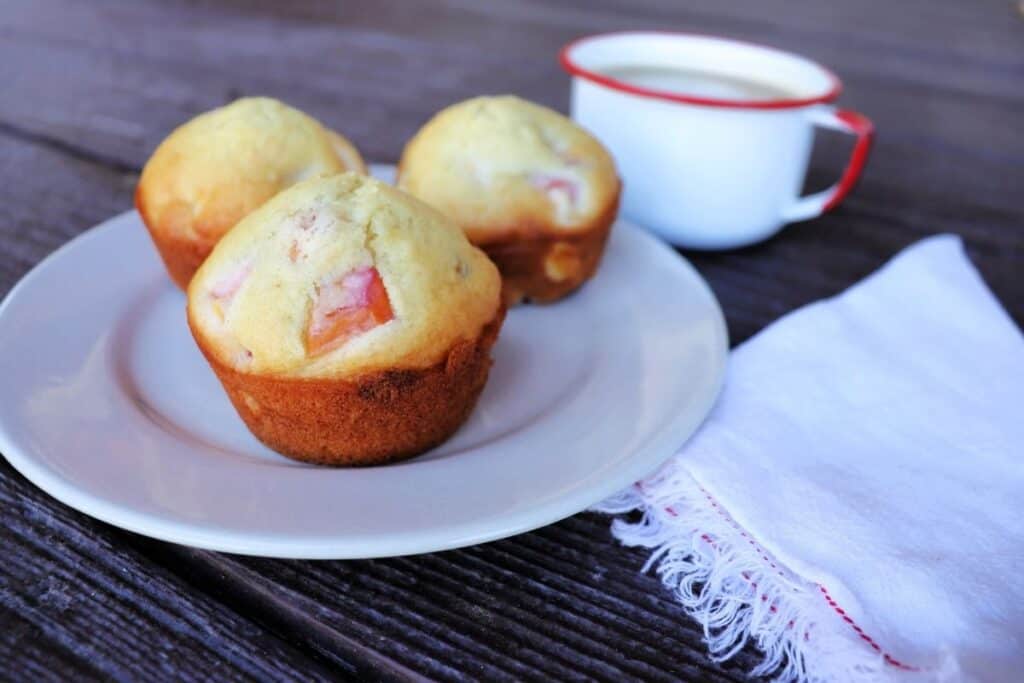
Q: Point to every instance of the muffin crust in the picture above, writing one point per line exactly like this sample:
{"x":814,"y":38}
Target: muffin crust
{"x":411,"y":308}
{"x":215,"y":169}
{"x":526,"y":184}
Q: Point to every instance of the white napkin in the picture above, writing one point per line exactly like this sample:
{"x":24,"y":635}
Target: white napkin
{"x":855,"y":502}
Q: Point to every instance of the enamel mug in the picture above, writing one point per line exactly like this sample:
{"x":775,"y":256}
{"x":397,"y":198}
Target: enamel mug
{"x":710,"y":170}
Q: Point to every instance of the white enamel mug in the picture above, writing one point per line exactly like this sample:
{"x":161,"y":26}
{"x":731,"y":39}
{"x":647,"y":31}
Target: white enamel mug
{"x":707,"y":172}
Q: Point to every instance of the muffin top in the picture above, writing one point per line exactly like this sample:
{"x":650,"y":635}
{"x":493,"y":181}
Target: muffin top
{"x":338,"y":276}
{"x":502,"y":165}
{"x":213,"y":170}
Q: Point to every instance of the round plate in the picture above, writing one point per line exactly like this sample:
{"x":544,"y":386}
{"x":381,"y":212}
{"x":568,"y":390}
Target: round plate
{"x":109,"y":407}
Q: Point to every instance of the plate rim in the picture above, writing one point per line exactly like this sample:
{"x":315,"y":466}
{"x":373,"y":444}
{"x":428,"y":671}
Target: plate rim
{"x":666,"y":441}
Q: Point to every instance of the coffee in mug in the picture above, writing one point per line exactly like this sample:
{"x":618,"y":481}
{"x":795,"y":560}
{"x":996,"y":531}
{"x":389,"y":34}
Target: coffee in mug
{"x":711,"y":136}
{"x":701,"y":83}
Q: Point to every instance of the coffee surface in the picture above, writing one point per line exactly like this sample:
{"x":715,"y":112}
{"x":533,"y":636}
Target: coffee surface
{"x":698,"y":83}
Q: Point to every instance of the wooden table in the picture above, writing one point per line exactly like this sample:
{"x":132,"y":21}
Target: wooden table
{"x":88,"y":89}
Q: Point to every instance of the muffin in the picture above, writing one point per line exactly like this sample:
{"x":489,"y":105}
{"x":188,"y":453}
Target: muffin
{"x":531,"y":188}
{"x":212,"y":171}
{"x":349,"y":323}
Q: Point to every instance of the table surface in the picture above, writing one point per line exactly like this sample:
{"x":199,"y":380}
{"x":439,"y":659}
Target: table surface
{"x":89,"y":89}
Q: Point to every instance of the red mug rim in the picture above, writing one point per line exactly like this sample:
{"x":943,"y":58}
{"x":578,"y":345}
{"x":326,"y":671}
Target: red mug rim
{"x":574,"y":69}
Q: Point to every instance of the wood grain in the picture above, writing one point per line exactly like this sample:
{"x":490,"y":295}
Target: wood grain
{"x":90,"y":88}
{"x":78,"y":603}
{"x":564,"y":603}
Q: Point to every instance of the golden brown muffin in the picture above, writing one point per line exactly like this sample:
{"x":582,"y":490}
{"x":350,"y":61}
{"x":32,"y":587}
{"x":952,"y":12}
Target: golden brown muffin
{"x":212,"y":171}
{"x":349,"y":323}
{"x":531,"y":188}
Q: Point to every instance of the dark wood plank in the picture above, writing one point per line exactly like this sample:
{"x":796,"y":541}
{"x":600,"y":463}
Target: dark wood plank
{"x":48,"y":196}
{"x":78,"y":603}
{"x":91,"y":88}
{"x":564,"y":603}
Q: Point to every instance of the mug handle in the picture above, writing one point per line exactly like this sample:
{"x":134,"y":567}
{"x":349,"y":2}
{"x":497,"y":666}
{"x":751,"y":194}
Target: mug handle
{"x":846,"y":121}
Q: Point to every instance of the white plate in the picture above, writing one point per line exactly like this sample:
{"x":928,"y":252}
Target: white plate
{"x":108,"y":406}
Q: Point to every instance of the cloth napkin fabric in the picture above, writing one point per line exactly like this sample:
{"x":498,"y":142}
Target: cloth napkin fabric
{"x":854,"y":504}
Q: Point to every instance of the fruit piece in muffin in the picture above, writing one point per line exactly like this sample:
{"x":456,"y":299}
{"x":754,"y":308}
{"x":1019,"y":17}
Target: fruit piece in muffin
{"x":212,"y":171}
{"x":349,"y":323}
{"x":349,"y":306}
{"x":531,"y":188}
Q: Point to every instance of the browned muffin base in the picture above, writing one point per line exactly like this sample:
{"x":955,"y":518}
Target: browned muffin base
{"x":542,"y":266}
{"x":182,"y":257}
{"x":378,"y":418}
